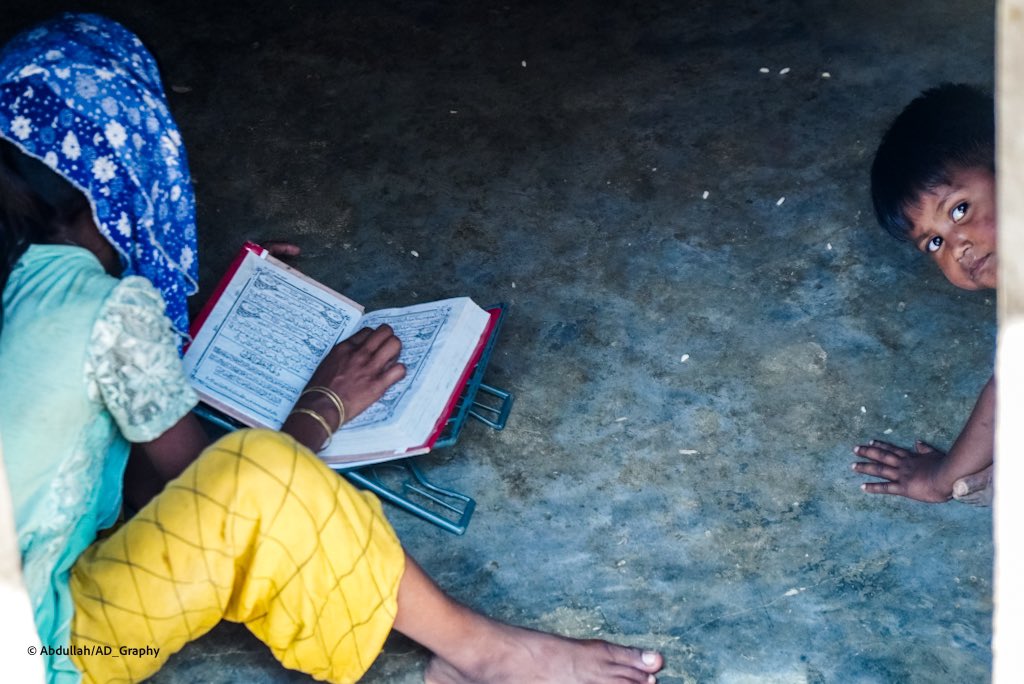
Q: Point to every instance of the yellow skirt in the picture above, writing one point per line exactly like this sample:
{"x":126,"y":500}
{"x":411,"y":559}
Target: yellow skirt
{"x":259,"y":531}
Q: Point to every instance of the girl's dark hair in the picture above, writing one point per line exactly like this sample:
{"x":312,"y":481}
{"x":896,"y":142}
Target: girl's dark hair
{"x":944,"y":129}
{"x":34,"y":203}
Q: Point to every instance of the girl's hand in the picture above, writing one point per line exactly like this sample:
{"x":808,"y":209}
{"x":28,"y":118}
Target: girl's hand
{"x":359,"y":370}
{"x":281,"y":249}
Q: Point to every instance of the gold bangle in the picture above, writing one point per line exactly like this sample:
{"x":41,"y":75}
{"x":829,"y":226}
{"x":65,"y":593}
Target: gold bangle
{"x":320,"y":419}
{"x":333,"y":396}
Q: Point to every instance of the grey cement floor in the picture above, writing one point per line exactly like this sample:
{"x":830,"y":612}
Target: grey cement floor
{"x":703,"y":507}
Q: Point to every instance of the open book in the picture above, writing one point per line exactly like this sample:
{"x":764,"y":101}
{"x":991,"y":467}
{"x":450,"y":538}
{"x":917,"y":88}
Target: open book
{"x":267,"y":327}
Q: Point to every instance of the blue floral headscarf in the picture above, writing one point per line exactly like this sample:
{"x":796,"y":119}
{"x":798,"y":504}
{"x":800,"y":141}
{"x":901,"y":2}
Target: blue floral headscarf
{"x":84,"y":95}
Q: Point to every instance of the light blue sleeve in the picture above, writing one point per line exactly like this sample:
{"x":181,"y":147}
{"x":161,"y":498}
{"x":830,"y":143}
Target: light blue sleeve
{"x":133,"y":365}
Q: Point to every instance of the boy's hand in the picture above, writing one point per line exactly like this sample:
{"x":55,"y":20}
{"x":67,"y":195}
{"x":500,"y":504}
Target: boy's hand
{"x":914,"y":474}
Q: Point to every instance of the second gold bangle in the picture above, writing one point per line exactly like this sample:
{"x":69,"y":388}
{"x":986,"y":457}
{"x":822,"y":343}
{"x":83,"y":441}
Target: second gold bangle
{"x":321,"y":420}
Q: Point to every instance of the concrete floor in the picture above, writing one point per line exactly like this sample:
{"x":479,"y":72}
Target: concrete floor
{"x":554,"y":156}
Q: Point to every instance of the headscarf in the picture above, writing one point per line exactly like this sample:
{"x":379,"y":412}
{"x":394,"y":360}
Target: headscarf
{"x":82,"y":94}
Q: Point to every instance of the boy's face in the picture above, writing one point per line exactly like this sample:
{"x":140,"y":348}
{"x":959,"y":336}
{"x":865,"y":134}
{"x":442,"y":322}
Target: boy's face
{"x":955,"y":224}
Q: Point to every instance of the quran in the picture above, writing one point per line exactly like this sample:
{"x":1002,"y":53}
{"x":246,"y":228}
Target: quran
{"x":267,"y":327}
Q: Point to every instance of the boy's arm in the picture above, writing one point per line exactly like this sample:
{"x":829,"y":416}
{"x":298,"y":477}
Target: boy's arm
{"x":927,"y":474}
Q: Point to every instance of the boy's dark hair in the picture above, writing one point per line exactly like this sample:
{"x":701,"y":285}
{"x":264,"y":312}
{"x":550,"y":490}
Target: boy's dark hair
{"x":945,"y":128}
{"x":34,"y":202}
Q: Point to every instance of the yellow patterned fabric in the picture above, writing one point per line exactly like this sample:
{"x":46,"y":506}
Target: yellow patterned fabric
{"x":258,"y":531}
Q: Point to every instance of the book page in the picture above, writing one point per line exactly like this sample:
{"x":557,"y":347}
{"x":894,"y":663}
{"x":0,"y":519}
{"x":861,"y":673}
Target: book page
{"x":438,"y":341}
{"x":263,"y":339}
{"x":418,"y":327}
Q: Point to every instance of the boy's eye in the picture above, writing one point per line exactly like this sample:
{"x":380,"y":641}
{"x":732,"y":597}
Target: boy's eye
{"x":959,"y":211}
{"x":935,"y":243}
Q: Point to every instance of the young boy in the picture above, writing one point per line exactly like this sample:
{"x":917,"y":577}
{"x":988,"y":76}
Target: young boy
{"x":933,"y":184}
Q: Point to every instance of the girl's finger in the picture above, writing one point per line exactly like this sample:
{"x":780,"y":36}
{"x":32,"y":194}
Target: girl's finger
{"x":393,"y":374}
{"x":379,"y":337}
{"x":388,"y":352}
{"x":281,"y":248}
{"x":359,"y":337}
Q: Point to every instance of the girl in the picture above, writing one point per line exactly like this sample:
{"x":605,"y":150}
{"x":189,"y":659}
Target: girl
{"x":97,"y":258}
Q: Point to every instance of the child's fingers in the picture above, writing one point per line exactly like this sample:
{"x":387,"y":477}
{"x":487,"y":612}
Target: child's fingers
{"x":359,"y":337}
{"x":882,"y":488}
{"x":392,"y":375}
{"x":889,"y":456}
{"x":281,"y":248}
{"x":380,"y":337}
{"x":388,"y":352}
{"x":877,"y":470}
{"x":888,"y":447}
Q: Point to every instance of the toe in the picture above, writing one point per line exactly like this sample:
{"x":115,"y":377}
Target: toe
{"x":652,"y":661}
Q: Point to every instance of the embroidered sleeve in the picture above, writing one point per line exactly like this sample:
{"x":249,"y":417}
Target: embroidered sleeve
{"x":132,"y":364}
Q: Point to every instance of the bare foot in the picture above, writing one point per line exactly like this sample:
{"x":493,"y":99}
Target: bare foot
{"x":470,"y":648}
{"x":507,"y":655}
{"x":976,"y":489}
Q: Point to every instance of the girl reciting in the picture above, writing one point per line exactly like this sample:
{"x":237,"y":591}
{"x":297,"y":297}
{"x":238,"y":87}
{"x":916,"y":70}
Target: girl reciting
{"x":97,"y":258}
